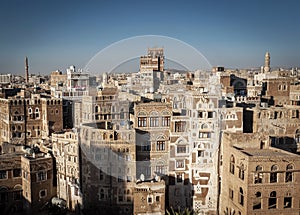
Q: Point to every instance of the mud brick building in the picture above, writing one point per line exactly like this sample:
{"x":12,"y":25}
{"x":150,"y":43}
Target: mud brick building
{"x":149,"y":197}
{"x":28,"y":120}
{"x":256,"y":178}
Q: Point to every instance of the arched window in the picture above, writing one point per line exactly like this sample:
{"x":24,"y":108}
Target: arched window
{"x":18,"y":187}
{"x":257,"y":201}
{"x":272,"y":200}
{"x":273,"y":174}
{"x":289,"y":173}
{"x":242,"y":171}
{"x":204,"y":126}
{"x":241,"y":196}
{"x":232,"y":161}
{"x":258,"y":176}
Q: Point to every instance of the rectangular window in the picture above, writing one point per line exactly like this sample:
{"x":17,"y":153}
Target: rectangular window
{"x":16,"y":172}
{"x":287,"y":202}
{"x":258,"y":178}
{"x":120,"y":179}
{"x":160,"y":145}
{"x":273,"y":177}
{"x":41,"y":176}
{"x":204,"y":134}
{"x":166,"y":121}
{"x":180,"y":126}
{"x":210,"y":114}
{"x":160,"y":169}
{"x":3,"y":174}
{"x":101,"y":175}
{"x":231,"y":194}
{"x":180,"y":164}
{"x":153,"y":122}
{"x":200,"y":114}
{"x":142,"y":121}
{"x":181,"y":149}
{"x":288,"y":176}
{"x":241,"y":173}
{"x":200,"y":153}
{"x":295,"y":114}
{"x":146,"y":147}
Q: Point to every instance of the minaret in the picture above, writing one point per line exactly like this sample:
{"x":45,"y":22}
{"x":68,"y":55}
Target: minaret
{"x":26,"y":69}
{"x":267,"y":62}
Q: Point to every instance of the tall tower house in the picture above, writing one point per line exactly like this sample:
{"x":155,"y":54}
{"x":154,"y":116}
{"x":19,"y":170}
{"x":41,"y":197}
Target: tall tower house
{"x":26,"y":70}
{"x":267,"y":62}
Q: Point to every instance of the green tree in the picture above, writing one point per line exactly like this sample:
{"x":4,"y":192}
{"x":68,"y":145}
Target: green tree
{"x":186,"y":211}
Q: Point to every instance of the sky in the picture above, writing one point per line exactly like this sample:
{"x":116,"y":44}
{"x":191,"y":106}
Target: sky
{"x":233,"y":33}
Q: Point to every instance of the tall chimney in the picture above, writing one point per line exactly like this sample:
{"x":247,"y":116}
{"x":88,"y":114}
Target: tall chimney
{"x":26,"y":69}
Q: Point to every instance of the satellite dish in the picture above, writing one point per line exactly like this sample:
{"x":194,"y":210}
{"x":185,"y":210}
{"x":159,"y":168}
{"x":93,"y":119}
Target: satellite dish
{"x":142,"y":177}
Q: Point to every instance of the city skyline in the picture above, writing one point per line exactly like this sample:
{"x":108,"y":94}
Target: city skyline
{"x":152,"y":141}
{"x":233,"y":34}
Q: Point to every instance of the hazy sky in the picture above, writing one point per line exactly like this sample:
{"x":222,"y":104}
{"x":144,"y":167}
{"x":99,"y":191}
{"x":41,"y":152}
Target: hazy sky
{"x":57,"y":33}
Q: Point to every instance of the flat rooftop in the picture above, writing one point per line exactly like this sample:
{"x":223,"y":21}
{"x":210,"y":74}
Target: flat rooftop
{"x":267,"y":152}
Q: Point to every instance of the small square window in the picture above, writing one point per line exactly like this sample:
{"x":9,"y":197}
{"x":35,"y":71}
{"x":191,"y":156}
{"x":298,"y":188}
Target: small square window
{"x":3,"y":174}
{"x":17,"y":173}
{"x":43,"y":193}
